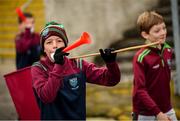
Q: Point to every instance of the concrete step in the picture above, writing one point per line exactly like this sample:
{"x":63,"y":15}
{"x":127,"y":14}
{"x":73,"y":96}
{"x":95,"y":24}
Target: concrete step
{"x":4,"y":45}
{"x":11,"y":14}
{"x":163,"y":3}
{"x":126,"y":67}
{"x":131,"y":33}
{"x":126,"y":56}
{"x":7,"y":53}
{"x":168,"y":20}
{"x":128,"y":42}
{"x":7,"y":37}
{"x":166,"y":10}
{"x":19,"y":1}
{"x":169,"y":30}
{"x":9,"y":21}
{"x":6,"y":30}
{"x":10,"y":5}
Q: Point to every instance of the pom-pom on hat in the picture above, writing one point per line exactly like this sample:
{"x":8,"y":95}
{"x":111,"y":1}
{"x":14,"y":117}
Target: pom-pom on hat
{"x":53,"y":28}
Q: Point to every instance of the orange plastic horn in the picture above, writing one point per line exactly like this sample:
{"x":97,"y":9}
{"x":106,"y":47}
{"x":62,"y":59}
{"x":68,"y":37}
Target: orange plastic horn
{"x":20,"y":14}
{"x":84,"y":39}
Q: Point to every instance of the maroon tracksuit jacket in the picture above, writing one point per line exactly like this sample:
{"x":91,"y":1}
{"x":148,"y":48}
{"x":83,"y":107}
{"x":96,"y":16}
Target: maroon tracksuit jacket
{"x":61,"y":89}
{"x":151,"y":92}
{"x":27,"y":48}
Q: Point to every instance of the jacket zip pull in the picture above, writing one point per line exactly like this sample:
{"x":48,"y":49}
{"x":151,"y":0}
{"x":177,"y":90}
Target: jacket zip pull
{"x":162,"y":62}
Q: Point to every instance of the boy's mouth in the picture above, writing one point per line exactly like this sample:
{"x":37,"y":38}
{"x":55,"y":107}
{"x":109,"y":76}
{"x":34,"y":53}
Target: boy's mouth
{"x":162,"y":37}
{"x":162,"y":40}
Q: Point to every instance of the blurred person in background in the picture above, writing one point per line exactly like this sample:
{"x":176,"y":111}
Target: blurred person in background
{"x":27,"y":42}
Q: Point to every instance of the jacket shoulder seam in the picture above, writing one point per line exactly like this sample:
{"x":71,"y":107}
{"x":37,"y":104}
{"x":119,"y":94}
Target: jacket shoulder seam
{"x":142,"y":55}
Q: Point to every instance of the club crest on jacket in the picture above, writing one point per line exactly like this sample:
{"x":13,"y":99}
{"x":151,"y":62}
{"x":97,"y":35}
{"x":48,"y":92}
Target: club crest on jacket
{"x":74,"y":83}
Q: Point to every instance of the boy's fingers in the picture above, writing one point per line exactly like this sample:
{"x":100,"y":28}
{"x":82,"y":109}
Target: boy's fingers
{"x":59,"y":50}
{"x":101,"y":51}
{"x":66,"y":54}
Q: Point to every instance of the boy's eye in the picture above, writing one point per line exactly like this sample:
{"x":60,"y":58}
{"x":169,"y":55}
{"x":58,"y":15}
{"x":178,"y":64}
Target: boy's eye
{"x":48,"y":42}
{"x":164,"y":28}
{"x":156,"y":31}
{"x":59,"y":40}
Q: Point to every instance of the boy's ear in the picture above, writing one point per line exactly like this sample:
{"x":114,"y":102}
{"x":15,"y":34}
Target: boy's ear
{"x":144,"y":35}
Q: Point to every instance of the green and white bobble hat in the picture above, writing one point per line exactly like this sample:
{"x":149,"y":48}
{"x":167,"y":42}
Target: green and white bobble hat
{"x":53,"y":28}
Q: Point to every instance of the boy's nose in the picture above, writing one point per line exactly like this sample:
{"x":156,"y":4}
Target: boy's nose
{"x":163,"y":32}
{"x":54,"y":44}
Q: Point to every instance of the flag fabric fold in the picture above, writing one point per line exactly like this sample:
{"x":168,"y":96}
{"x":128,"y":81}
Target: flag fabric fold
{"x":19,"y":84}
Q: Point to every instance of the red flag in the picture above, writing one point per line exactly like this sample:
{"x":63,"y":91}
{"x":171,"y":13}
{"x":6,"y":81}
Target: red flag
{"x":19,"y":84}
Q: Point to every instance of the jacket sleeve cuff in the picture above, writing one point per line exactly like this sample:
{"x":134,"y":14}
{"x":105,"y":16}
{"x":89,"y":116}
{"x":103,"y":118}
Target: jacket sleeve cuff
{"x":111,"y":64}
{"x":156,"y":110}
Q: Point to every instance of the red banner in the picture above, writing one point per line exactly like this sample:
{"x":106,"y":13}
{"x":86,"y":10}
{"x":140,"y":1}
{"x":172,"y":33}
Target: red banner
{"x":19,"y":84}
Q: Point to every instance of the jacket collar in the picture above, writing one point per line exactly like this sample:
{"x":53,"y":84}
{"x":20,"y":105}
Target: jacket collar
{"x":48,"y":63}
{"x":156,"y":49}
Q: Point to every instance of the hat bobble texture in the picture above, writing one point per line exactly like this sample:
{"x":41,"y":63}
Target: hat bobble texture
{"x":53,"y":28}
